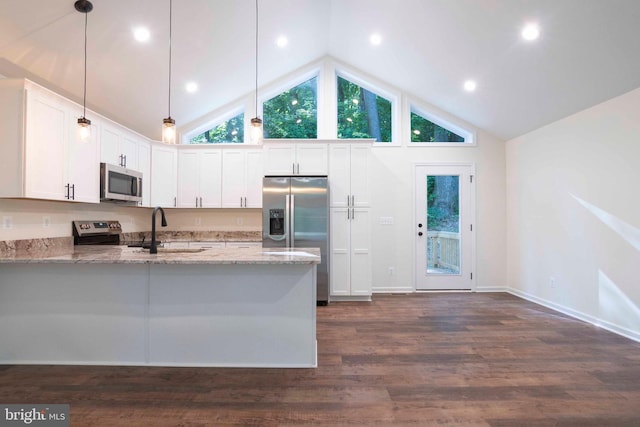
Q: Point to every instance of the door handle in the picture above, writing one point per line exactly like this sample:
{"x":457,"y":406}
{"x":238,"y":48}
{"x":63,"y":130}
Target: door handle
{"x":73,"y":192}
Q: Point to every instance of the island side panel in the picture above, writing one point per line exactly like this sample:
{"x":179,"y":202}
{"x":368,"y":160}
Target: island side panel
{"x":233,"y":315}
{"x":72,"y":314}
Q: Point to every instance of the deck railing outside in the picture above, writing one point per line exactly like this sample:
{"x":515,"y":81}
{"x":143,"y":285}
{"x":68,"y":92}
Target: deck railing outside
{"x":443,"y":252}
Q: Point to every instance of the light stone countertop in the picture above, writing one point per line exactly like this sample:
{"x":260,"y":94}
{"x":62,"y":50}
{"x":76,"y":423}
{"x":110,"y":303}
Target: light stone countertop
{"x":127,"y":255}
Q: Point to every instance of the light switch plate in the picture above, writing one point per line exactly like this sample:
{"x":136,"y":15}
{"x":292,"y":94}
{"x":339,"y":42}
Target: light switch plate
{"x":7,"y":222}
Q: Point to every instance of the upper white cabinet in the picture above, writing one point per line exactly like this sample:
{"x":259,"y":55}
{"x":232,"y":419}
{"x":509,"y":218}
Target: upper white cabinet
{"x":349,"y":175}
{"x":242,"y":172}
{"x":118,"y":146}
{"x":199,"y":178}
{"x":144,"y":166}
{"x":306,"y":158}
{"x":42,"y":155}
{"x":164,"y":175}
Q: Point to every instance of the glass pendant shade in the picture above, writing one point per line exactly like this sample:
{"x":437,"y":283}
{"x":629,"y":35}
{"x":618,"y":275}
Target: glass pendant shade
{"x":84,"y":128}
{"x":168,"y":131}
{"x":256,"y":130}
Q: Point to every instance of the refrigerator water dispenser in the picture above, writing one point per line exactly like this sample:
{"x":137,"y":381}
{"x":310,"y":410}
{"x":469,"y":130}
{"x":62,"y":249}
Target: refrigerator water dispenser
{"x":276,"y":222}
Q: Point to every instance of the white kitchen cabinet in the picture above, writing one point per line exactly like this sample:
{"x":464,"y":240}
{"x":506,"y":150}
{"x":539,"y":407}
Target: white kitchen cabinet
{"x":306,"y":158}
{"x":349,"y":175}
{"x":199,"y":178}
{"x":83,"y":162}
{"x":42,"y":155}
{"x":144,"y":166}
{"x":118,"y":146}
{"x":164,"y":175}
{"x":350,"y":253}
{"x":242,"y":172}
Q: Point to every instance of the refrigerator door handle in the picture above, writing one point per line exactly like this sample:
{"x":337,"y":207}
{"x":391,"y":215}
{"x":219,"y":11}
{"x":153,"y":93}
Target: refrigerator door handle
{"x":287,"y":207}
{"x":292,"y":228}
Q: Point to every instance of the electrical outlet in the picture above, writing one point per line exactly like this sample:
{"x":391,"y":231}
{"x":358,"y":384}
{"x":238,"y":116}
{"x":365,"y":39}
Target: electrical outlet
{"x":7,"y":222}
{"x":392,"y":271}
{"x":46,"y":221}
{"x":552,"y":282}
{"x":239,"y":220}
{"x":198,"y":221}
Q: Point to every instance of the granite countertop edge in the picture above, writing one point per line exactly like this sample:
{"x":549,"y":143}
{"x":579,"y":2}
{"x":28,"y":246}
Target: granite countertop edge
{"x":213,"y":256}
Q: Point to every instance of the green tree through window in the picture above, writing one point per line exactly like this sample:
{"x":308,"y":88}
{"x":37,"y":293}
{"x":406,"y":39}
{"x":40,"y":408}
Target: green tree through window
{"x":362,"y":113}
{"x":231,"y":130}
{"x":423,"y":130}
{"x":293,"y":113}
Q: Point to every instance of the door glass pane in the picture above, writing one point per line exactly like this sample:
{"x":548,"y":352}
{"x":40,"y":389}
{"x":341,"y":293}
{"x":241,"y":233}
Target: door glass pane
{"x":443,"y":224}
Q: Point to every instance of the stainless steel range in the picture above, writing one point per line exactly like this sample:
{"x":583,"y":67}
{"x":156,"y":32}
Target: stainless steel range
{"x":96,"y":232}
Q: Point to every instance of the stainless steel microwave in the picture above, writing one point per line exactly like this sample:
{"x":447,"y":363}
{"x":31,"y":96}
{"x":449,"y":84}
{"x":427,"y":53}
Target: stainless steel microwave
{"x":118,"y":184}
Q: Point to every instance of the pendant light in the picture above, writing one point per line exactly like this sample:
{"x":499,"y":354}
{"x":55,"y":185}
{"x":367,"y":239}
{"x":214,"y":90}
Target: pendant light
{"x":256,"y":122}
{"x":84,"y":124}
{"x":168,"y":124}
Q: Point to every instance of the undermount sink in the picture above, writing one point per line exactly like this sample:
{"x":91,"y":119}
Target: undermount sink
{"x":175,"y":250}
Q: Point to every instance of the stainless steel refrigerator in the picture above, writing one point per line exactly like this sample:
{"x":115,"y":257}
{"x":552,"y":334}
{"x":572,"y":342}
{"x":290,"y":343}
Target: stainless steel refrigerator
{"x":295,"y":214}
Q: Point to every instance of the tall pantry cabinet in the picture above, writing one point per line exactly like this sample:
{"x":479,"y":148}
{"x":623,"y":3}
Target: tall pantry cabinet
{"x":350,"y":203}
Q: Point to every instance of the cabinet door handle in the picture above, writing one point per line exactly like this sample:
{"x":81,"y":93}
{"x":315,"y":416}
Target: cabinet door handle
{"x":353,"y":200}
{"x":196,"y":202}
{"x":66,"y":191}
{"x":245,"y":202}
{"x":175,"y":202}
{"x":298,"y":168}
{"x":125,"y":161}
{"x":293,"y":168}
{"x":348,"y":214}
{"x":73,"y":192}
{"x":353,"y":213}
{"x":200,"y":201}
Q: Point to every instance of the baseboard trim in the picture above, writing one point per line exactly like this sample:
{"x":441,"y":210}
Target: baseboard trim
{"x":595,"y":321}
{"x":393,"y":290}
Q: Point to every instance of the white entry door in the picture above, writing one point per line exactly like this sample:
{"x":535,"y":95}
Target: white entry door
{"x":444,"y":236}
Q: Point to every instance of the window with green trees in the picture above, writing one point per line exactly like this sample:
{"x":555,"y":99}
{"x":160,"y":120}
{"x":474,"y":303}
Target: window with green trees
{"x":293,"y":113}
{"x":231,"y":130}
{"x":424,"y":130}
{"x":362,"y":113}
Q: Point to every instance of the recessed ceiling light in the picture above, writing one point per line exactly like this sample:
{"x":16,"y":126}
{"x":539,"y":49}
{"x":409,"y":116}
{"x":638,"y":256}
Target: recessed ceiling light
{"x":282,"y":41}
{"x":141,"y":34}
{"x":530,"y":32}
{"x":375,"y":39}
{"x":416,"y":131}
{"x":191,"y":87}
{"x":470,"y":85}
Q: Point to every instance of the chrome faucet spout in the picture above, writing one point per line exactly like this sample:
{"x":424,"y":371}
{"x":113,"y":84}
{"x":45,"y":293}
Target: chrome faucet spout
{"x":153,"y":249}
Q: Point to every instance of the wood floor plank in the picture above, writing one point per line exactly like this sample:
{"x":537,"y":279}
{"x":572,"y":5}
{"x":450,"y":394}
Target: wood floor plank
{"x":436,"y":359}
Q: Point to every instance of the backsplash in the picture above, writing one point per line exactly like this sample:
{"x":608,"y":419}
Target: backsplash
{"x":32,"y":219}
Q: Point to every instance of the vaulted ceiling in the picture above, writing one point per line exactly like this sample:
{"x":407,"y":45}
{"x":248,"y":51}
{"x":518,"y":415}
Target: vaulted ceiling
{"x":587,"y":53}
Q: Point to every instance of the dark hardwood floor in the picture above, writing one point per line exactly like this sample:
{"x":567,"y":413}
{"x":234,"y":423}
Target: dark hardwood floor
{"x":452,"y":359}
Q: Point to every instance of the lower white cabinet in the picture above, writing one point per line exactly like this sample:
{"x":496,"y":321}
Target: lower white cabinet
{"x":350,"y":252}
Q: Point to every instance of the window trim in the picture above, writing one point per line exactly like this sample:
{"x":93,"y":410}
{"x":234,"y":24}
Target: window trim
{"x":436,"y":116}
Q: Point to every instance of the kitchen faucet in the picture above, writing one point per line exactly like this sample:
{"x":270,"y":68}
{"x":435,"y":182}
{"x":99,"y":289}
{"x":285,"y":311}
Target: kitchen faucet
{"x":153,"y":249}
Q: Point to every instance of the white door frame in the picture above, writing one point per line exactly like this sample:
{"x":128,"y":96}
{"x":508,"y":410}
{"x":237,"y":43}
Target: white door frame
{"x":472,"y":218}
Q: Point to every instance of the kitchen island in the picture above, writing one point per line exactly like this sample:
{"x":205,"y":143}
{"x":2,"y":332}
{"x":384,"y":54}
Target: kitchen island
{"x":114,"y":305}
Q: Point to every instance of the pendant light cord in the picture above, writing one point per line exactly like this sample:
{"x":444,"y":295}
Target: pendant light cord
{"x":257,"y":58}
{"x":170,"y":14}
{"x":84,"y":98}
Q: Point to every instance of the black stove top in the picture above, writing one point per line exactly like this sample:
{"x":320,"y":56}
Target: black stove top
{"x":96,"y":232}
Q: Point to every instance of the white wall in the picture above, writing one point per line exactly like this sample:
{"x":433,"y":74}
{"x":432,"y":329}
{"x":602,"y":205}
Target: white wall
{"x":574,"y":214}
{"x":393,"y":184}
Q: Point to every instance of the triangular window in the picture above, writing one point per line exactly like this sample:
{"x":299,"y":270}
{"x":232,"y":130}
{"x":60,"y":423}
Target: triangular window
{"x":228,"y":131}
{"x":362,"y":113}
{"x":425,"y":130}
{"x":293,"y":113}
